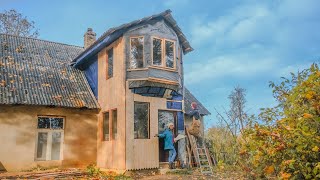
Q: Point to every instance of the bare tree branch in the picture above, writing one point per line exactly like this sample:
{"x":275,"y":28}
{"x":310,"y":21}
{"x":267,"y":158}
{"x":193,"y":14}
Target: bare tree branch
{"x":12,"y":22}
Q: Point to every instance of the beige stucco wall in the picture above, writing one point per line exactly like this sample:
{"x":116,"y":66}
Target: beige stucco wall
{"x":111,"y":95}
{"x":18,"y":130}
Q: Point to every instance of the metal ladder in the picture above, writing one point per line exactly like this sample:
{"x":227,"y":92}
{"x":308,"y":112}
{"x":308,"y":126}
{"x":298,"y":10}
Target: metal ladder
{"x":201,"y":155}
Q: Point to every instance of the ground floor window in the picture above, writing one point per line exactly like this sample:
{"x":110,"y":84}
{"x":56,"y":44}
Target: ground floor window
{"x":109,"y":127}
{"x":49,"y":138}
{"x":141,"y":120}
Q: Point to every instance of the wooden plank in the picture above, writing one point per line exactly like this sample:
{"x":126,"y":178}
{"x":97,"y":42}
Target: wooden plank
{"x":163,"y":81}
{"x":209,"y":157}
{"x":193,"y":145}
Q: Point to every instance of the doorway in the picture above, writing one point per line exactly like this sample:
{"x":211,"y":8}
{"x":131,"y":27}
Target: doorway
{"x":165,"y":117}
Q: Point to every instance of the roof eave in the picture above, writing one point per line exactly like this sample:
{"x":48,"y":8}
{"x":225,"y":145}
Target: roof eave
{"x":113,"y":34}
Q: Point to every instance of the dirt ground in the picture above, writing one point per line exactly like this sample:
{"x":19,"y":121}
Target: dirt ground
{"x":143,"y":175}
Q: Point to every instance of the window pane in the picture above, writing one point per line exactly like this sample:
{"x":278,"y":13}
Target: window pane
{"x":43,"y":123}
{"x":141,"y":120}
{"x":56,"y":144}
{"x":136,"y":53}
{"x":42,"y":145}
{"x":169,"y":54}
{"x":56,"y":123}
{"x":114,"y":124}
{"x":157,"y":51}
{"x":106,"y":126}
{"x":110,"y":63}
{"x":164,"y":118}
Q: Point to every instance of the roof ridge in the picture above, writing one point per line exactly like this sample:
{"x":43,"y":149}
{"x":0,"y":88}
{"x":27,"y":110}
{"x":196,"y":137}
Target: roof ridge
{"x":168,"y":11}
{"x":32,"y":38}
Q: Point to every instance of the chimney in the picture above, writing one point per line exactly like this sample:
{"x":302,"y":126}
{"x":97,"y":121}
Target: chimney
{"x":89,"y":38}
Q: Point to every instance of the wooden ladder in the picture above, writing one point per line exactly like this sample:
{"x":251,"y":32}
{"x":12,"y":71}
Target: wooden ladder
{"x":201,"y":155}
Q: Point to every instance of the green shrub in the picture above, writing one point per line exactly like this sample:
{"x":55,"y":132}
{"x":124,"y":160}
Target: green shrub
{"x":286,"y":145}
{"x":93,"y":171}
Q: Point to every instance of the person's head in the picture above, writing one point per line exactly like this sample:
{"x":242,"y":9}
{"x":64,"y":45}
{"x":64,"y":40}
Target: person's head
{"x":170,"y":126}
{"x":194,"y":105}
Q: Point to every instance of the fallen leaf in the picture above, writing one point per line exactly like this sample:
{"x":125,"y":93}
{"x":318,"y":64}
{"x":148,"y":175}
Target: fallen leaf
{"x":269,"y":170}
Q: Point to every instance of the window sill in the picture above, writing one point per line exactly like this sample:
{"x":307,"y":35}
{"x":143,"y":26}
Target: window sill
{"x":163,"y":68}
{"x":138,"y":69}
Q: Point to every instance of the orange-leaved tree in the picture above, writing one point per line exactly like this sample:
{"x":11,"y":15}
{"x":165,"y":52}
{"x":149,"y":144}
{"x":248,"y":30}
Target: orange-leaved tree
{"x":285,"y":142}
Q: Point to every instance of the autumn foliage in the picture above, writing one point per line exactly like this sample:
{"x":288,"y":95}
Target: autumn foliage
{"x":285,"y":141}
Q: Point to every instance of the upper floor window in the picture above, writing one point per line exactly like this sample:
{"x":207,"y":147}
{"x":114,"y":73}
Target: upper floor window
{"x":163,"y":53}
{"x":169,"y":54}
{"x":136,"y":52}
{"x":157,"y":51}
{"x":110,"y":63}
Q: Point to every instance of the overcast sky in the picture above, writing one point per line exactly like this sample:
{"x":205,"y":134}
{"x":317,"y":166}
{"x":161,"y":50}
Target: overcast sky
{"x":237,"y":43}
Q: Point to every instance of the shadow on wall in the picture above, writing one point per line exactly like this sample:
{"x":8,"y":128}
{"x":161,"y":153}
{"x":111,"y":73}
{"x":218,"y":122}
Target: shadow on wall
{"x":2,"y":168}
{"x":81,"y":140}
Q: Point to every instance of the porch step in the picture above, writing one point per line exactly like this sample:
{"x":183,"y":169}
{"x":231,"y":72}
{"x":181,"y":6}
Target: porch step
{"x":164,"y":165}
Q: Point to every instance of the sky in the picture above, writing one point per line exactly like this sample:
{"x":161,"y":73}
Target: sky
{"x":242,"y":43}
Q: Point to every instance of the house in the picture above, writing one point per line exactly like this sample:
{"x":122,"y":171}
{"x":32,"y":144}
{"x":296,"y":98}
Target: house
{"x":64,"y":105}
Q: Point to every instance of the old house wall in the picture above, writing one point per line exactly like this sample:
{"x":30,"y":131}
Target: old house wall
{"x":18,"y":127}
{"x":111,"y":95}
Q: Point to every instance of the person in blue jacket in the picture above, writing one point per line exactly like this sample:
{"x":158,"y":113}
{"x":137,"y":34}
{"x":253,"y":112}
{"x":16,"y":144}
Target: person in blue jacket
{"x":168,"y":143}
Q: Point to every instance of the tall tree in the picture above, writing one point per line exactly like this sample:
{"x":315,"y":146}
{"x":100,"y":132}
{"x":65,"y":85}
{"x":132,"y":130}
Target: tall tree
{"x":13,"y":22}
{"x":235,"y":118}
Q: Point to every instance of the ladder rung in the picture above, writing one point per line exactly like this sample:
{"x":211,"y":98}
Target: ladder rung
{"x":205,"y":166}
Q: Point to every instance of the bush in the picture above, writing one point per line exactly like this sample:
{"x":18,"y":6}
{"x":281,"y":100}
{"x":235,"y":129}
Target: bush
{"x":286,"y":144}
{"x":93,"y":171}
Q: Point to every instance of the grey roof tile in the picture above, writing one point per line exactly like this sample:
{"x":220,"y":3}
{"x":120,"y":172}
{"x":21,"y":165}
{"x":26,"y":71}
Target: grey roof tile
{"x":37,"y":72}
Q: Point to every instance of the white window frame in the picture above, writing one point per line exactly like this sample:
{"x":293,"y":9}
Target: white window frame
{"x":49,"y":140}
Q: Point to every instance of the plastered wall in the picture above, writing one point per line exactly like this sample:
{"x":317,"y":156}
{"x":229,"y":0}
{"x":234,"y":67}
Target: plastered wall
{"x":18,"y":130}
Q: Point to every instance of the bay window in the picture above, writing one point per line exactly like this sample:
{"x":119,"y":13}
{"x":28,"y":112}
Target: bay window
{"x":163,"y":53}
{"x":136,"y":52}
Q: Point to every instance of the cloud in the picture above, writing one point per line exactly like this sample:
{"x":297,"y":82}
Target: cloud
{"x":277,"y":23}
{"x":255,"y":39}
{"x":244,"y":23}
{"x":236,"y":66}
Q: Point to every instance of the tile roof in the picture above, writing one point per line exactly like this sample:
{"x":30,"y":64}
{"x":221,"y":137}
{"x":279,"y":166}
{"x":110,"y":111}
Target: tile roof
{"x":189,"y":98}
{"x":38,"y":72}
